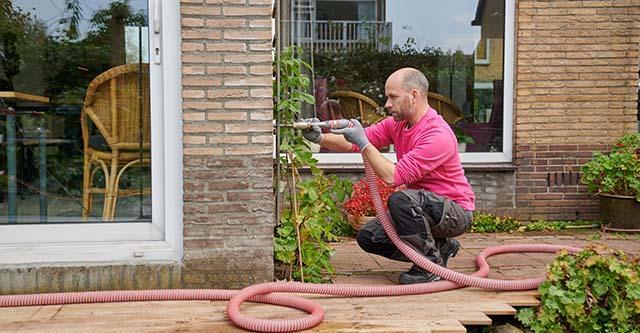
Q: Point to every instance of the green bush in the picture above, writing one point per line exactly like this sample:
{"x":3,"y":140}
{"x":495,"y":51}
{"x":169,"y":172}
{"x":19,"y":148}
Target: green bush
{"x":617,"y":172}
{"x":483,"y":222}
{"x":595,"y":290}
{"x":558,"y":225}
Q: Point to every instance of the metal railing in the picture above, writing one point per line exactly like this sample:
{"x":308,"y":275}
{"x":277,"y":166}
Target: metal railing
{"x":335,"y":36}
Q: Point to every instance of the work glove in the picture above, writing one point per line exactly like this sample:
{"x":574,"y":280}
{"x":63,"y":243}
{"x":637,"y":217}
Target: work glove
{"x":313,"y":133}
{"x":354,"y":134}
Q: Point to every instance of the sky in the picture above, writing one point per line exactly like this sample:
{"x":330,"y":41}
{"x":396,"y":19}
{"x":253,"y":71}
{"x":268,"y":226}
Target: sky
{"x":446,"y":24}
{"x":51,"y":11}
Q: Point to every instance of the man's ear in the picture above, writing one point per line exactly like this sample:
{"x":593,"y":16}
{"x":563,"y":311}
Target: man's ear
{"x":415,"y":93}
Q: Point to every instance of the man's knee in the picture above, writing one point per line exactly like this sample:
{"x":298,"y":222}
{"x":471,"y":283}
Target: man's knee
{"x":398,"y":200}
{"x":400,"y":207}
{"x":364,"y":240}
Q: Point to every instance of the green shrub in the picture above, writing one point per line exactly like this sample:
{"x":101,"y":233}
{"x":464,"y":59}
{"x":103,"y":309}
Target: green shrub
{"x":558,"y":225}
{"x":483,"y":222}
{"x":595,"y":290}
{"x":617,"y":172}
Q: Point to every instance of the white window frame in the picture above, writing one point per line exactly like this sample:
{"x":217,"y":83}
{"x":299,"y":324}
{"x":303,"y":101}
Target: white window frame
{"x":329,"y":160}
{"x":110,"y":242}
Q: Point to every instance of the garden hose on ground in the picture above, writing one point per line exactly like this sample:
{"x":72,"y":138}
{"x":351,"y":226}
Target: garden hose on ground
{"x":264,"y":292}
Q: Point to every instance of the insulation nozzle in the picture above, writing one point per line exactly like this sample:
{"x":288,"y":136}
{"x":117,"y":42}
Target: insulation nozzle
{"x":330,"y":124}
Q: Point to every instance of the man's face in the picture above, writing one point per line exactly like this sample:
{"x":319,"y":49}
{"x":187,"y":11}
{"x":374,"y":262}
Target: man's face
{"x":399,"y":102}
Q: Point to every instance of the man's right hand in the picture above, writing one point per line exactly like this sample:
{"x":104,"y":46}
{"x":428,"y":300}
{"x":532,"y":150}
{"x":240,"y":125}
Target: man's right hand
{"x":313,"y":133}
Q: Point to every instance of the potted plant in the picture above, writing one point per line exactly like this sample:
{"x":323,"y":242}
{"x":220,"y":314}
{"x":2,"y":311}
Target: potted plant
{"x":615,"y":178}
{"x":359,"y":207}
{"x":463,"y":139}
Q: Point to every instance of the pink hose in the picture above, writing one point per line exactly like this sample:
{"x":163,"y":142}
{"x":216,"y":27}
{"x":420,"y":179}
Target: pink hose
{"x":264,"y":292}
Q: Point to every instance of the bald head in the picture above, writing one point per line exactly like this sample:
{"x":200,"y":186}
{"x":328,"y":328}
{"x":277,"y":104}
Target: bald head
{"x":411,"y":78}
{"x":406,"y":92}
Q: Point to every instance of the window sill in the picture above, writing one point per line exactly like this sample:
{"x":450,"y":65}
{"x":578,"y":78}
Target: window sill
{"x":82,"y":254}
{"x":489,"y":166}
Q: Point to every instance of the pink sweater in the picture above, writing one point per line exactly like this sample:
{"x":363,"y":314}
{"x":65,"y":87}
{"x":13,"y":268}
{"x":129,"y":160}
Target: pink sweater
{"x":427,"y":156}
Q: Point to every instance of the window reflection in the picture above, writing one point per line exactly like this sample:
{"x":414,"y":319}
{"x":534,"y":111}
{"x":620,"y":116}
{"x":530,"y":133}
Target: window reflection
{"x":66,"y":137}
{"x":354,"y":46}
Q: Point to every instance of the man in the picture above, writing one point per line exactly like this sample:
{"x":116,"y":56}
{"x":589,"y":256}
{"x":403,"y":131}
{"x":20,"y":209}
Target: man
{"x":438,"y":203}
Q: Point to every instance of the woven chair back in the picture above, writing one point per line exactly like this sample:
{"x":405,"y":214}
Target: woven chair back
{"x":117,"y":102}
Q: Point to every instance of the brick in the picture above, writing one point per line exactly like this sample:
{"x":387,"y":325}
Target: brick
{"x":260,"y":46}
{"x":192,"y":22}
{"x":201,"y":34}
{"x":248,"y":150}
{"x":249,"y":58}
{"x":262,"y":115}
{"x":247,"y":11}
{"x":226,"y":23}
{"x":187,"y":47}
{"x":226,"y":69}
{"x":203,"y":151}
{"x":229,"y":207}
{"x":253,"y":103}
{"x":227,"y":116}
{"x":201,"y":105}
{"x":247,"y":35}
{"x":261,"y":92}
{"x":203,"y":197}
{"x":192,"y":93}
{"x":227,"y":93}
{"x":200,"y":10}
{"x":203,"y":128}
{"x":248,"y":127}
{"x":194,"y":139}
{"x":208,"y":58}
{"x":261,"y":23}
{"x":229,"y":139}
{"x":235,"y":47}
{"x":261,"y":70}
{"x":248,"y":81}
{"x":201,"y":81}
{"x":193,"y":116}
{"x":192,"y":70}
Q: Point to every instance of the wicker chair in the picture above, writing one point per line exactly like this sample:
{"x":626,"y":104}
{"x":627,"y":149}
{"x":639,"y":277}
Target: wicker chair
{"x":359,"y":106}
{"x":445,"y":107}
{"x":117,"y":103}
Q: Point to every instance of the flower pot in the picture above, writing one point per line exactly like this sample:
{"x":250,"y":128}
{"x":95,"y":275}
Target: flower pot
{"x":620,"y":212}
{"x":462,"y":147}
{"x":358,"y":221}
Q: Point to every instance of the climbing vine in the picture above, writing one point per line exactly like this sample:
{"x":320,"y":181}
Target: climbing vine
{"x":310,"y":216}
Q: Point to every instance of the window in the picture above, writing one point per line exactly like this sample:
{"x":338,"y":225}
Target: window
{"x":85,"y":113}
{"x":465,"y":49}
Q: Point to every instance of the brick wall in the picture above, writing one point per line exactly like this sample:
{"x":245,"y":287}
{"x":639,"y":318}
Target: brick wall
{"x":576,"y":81}
{"x":494,"y":190}
{"x":228,"y":203}
{"x":50,"y":279}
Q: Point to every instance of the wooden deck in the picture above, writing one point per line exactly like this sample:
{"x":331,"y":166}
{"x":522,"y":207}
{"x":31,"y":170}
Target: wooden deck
{"x":442,"y":312}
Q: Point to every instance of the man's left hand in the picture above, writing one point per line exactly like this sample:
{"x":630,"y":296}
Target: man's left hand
{"x":354,"y":134}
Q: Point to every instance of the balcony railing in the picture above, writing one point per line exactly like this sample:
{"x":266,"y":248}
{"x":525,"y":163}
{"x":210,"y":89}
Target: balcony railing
{"x":340,"y":35}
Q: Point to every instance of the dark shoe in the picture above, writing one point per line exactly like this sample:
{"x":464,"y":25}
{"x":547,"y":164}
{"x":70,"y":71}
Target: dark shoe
{"x":449,"y":250}
{"x":417,"y":275}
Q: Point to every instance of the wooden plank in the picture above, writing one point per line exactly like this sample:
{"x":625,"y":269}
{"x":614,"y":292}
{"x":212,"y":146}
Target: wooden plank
{"x":19,"y":96}
{"x":441,"y":312}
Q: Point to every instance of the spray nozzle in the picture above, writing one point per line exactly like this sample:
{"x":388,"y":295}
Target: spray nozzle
{"x":330,"y":124}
